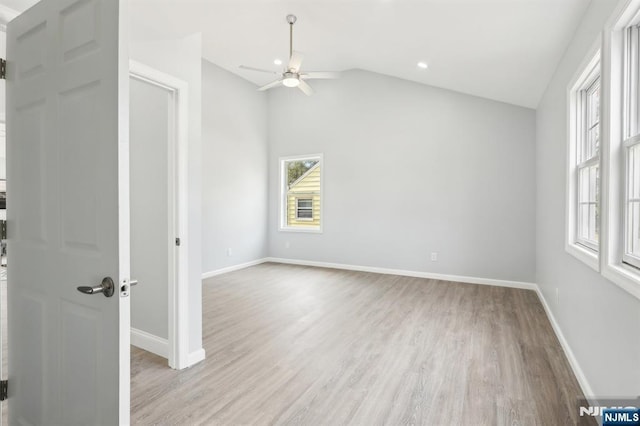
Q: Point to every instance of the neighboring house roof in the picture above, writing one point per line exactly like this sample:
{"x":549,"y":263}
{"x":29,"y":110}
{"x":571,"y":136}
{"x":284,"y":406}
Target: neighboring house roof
{"x":307,"y":173}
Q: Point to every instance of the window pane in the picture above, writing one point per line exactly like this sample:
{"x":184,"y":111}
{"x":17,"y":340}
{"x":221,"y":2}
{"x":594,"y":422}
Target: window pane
{"x":593,"y":183}
{"x":593,"y":141}
{"x":633,"y":201}
{"x":634,"y":229}
{"x":304,"y":203}
{"x":593,"y":236}
{"x":588,"y":228}
{"x":583,"y":185}
{"x":296,"y":169}
{"x":594,"y":104}
{"x":305,"y":214}
{"x":633,"y":172}
{"x":583,"y":221}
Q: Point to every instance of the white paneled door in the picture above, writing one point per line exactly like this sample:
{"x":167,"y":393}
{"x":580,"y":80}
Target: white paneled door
{"x":68,"y":213}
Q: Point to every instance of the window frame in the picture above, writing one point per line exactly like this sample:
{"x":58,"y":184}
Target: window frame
{"x":283,"y":227}
{"x":589,"y":73}
{"x":631,"y":126}
{"x":582,"y":138}
{"x":615,"y":118}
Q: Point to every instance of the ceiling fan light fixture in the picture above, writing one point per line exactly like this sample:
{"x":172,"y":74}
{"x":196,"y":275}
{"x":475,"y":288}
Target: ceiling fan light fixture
{"x":291,"y":79}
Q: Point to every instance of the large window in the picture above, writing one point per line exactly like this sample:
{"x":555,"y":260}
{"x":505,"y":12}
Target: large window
{"x":583,"y":202}
{"x":620,"y":236}
{"x":588,"y":165}
{"x":301,"y":180}
{"x":631,"y":149}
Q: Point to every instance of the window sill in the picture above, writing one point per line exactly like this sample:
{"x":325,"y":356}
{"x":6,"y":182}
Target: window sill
{"x":624,"y":276}
{"x":307,"y":230}
{"x":589,"y":257}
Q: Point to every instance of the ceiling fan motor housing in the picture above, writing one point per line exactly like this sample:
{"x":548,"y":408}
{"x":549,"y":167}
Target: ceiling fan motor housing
{"x":290,"y":79}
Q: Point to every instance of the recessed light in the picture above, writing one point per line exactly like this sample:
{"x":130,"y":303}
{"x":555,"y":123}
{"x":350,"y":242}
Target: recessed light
{"x":423,"y":65}
{"x":277,"y":62}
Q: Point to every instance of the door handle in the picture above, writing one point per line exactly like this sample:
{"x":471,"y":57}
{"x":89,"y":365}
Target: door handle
{"x":106,"y":287}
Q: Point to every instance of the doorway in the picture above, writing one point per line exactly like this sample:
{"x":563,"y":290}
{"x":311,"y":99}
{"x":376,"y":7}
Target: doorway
{"x":158,"y":217}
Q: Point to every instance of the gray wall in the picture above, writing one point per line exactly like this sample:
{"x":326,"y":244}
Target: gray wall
{"x":149,"y":176}
{"x":409,"y":170}
{"x":181,"y":58}
{"x":234,"y":175}
{"x":599,"y":320}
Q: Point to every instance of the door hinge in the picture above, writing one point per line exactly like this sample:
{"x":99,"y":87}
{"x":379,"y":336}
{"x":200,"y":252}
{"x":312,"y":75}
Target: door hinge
{"x":4,"y":390}
{"x":3,"y":69}
{"x":178,"y":241}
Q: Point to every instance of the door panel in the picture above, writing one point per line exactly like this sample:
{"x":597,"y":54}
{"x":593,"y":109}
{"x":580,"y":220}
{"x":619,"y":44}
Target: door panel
{"x":67,"y":175}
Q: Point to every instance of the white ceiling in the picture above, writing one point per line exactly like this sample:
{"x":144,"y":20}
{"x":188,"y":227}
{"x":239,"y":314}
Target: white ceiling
{"x":505,"y":50}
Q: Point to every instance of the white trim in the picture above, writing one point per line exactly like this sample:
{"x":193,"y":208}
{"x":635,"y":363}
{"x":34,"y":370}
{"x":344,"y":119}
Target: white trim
{"x":178,"y":173}
{"x":221,"y":271}
{"x":624,"y":276}
{"x":405,"y":273}
{"x":124,"y":207}
{"x":585,"y":74}
{"x":589,"y":257}
{"x":195,"y":357}
{"x":149,"y":342}
{"x":573,"y":361}
{"x":6,"y":15}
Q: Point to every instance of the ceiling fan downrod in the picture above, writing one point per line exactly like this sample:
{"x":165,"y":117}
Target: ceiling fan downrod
{"x":291,"y":19}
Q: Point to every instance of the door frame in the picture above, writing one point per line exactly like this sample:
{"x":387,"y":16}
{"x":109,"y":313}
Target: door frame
{"x":178,"y":350}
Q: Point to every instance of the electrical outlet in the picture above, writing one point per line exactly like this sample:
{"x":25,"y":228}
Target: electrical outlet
{"x":287,"y":244}
{"x":229,"y":252}
{"x":434,"y":256}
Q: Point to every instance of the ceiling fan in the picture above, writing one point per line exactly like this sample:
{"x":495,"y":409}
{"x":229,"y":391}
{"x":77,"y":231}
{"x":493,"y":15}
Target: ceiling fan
{"x":292,"y":75}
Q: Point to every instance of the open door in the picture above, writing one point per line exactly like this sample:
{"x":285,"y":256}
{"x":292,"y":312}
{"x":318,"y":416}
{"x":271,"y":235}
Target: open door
{"x":68,"y":216}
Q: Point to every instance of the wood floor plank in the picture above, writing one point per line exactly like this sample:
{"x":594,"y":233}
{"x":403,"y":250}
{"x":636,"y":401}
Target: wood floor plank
{"x":294,"y":345}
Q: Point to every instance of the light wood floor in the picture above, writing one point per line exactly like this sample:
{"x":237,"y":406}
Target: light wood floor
{"x":308,"y":346}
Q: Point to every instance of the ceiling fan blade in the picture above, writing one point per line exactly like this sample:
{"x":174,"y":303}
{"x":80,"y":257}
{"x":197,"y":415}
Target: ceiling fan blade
{"x":270,"y":85}
{"x":319,"y":74}
{"x":295,"y":61}
{"x":304,"y":86}
{"x":244,"y":67}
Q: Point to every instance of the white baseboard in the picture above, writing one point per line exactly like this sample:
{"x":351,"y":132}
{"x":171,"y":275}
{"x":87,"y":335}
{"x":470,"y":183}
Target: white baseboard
{"x":210,"y":274}
{"x":573,"y":361}
{"x":196,"y":356}
{"x":149,"y":342}
{"x":416,"y":274}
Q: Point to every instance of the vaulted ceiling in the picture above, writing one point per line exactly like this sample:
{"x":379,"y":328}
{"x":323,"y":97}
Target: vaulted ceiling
{"x":506,"y":50}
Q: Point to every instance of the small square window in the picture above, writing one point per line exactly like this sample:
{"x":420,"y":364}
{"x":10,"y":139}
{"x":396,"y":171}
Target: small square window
{"x":304,"y":209}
